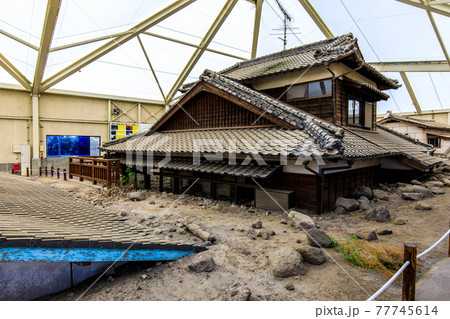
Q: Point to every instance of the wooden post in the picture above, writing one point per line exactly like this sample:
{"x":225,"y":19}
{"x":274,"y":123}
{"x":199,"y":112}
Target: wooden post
{"x":108,"y":174}
{"x":93,"y":174}
{"x":409,"y":275}
{"x":46,"y":171}
{"x":51,"y":171}
{"x":12,"y":171}
{"x":64,"y":174}
{"x":57,"y":173}
{"x":28,"y":172}
{"x":40,"y":171}
{"x":161,"y":182}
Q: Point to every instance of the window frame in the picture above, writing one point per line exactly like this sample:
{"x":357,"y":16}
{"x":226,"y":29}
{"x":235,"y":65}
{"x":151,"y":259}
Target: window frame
{"x":361,"y":114}
{"x":307,"y":91}
{"x":437,"y":138}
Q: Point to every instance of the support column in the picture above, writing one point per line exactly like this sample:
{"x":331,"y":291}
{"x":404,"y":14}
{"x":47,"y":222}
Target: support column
{"x":35,"y":126}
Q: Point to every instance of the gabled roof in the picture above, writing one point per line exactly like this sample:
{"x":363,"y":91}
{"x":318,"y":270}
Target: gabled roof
{"x":309,"y":55}
{"x":390,"y":117}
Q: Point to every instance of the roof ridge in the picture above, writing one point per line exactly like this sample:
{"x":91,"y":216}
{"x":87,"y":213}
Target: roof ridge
{"x":288,"y":52}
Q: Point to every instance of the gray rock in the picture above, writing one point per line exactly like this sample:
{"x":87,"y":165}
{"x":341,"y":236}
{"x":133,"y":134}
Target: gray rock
{"x":283,"y":221}
{"x":124,"y":213}
{"x":379,"y":214}
{"x":144,"y":276}
{"x":257,"y":224}
{"x":349,"y":204}
{"x":412,"y":196}
{"x":423,"y":206}
{"x":289,"y":286}
{"x":434,"y":184}
{"x":445,"y":181}
{"x":311,"y":255}
{"x":416,"y":182}
{"x":202,"y":262}
{"x":378,"y":193}
{"x":437,"y":190}
{"x":237,"y":292}
{"x":399,"y":221}
{"x":366,"y":234}
{"x":207,"y":202}
{"x":364,"y":203}
{"x":385,"y":232}
{"x":318,"y":238}
{"x":287,"y":262}
{"x":136,"y":196}
{"x":340,"y":210}
{"x":152,"y":202}
{"x":264,"y":234}
{"x":301,"y":220}
{"x":362,"y":191}
{"x":417,"y":189}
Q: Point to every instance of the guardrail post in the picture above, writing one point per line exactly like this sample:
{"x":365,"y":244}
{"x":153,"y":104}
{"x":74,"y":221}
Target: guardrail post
{"x":28,"y":172}
{"x":64,"y":174}
{"x":409,"y":275}
{"x":51,"y":171}
{"x":57,"y":172}
{"x":40,"y":171}
{"x":46,"y":171}
{"x":12,"y":171}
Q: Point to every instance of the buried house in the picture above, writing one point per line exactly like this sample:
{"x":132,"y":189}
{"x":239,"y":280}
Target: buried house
{"x":293,"y":128}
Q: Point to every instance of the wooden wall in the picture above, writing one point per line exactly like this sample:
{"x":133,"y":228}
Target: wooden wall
{"x":207,"y":110}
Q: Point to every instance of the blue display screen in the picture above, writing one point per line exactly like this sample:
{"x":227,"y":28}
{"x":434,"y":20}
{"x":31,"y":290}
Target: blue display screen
{"x":72,"y":145}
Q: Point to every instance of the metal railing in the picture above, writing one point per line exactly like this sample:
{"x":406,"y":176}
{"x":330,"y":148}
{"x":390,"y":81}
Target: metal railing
{"x":95,"y":169}
{"x":409,"y":268}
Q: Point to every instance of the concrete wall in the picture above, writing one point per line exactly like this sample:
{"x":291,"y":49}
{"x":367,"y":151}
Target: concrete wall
{"x":31,"y":280}
{"x":63,"y":114}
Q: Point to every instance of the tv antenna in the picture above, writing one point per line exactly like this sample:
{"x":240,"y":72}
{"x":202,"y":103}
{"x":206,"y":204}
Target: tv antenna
{"x":286,"y":19}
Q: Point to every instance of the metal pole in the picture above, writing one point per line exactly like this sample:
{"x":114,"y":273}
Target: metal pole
{"x":46,"y":171}
{"x":409,"y":275}
{"x":28,"y":172}
{"x":12,"y":171}
{"x":40,"y":171}
{"x":51,"y":171}
{"x":57,"y":173}
{"x":65,"y":176}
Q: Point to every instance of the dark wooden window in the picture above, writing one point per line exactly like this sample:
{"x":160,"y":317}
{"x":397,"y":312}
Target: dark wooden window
{"x":360,"y":112}
{"x":306,"y":90}
{"x":435,"y":141}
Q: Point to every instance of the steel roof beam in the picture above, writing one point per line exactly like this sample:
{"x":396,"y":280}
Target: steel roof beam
{"x":51,"y":15}
{"x":438,"y":35}
{"x":412,"y":66}
{"x":442,"y":8}
{"x":11,"y":36}
{"x":14,"y":72}
{"x":316,"y":18}
{"x":75,"y":44}
{"x":411,"y":92}
{"x":192,"y":45}
{"x":259,"y":5}
{"x":228,"y":7}
{"x":114,"y":43}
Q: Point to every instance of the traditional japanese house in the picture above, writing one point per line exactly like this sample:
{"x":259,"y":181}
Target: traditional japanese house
{"x":426,"y":131}
{"x":293,"y":128}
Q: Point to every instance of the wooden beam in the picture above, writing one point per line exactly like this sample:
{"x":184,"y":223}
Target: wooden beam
{"x":229,"y":5}
{"x":14,"y":72}
{"x":51,"y":15}
{"x":259,"y":5}
{"x":443,"y":9}
{"x":114,"y":43}
{"x":412,"y":66}
{"x":411,"y":92}
{"x":316,"y":18}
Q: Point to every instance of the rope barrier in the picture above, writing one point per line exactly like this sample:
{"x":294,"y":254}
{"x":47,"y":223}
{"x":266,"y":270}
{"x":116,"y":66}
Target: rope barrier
{"x":405,"y":265}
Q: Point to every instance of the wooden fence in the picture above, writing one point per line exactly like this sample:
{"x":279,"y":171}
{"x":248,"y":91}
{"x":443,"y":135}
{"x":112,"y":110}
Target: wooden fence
{"x":96,"y":169}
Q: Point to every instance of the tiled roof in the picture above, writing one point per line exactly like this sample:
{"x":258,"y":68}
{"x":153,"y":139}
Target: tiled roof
{"x":309,"y":55}
{"x":422,"y":123}
{"x":367,"y":86}
{"x":265,"y":141}
{"x":252,"y":169}
{"x":37,"y":215}
{"x":396,"y":144}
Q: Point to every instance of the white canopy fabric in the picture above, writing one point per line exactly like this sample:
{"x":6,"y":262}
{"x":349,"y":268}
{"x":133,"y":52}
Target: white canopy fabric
{"x":388,"y":31}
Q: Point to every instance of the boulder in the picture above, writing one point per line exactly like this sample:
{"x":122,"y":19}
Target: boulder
{"x":340,"y":210}
{"x":366,"y":234}
{"x":412,"y":196}
{"x":445,"y":181}
{"x":378,"y":193}
{"x":423,"y":206}
{"x":311,"y":255}
{"x":379,"y":214}
{"x":265,"y":234}
{"x":202,"y":262}
{"x":318,"y":238}
{"x":349,"y":204}
{"x":257,"y":224}
{"x":363,"y":203}
{"x":207,"y":202}
{"x":237,"y":292}
{"x":362,"y":191}
{"x":416,"y":182}
{"x":437,"y":190}
{"x":399,"y":221}
{"x":136,"y":196}
{"x":152,"y":202}
{"x":287,"y":262}
{"x":301,"y":220}
{"x":417,"y":189}
{"x":434,"y":184}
